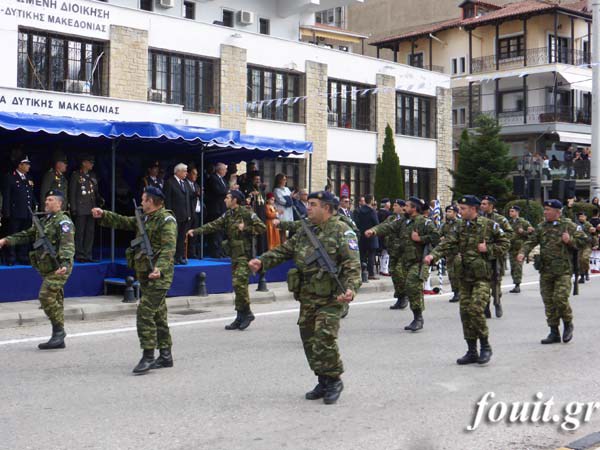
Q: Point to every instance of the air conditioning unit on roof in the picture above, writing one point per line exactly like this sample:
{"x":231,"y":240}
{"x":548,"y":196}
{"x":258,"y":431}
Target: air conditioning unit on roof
{"x":154,"y":95}
{"x":245,"y":17}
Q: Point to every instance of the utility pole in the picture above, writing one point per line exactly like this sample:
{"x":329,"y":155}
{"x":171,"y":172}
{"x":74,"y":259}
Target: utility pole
{"x":594,"y":6}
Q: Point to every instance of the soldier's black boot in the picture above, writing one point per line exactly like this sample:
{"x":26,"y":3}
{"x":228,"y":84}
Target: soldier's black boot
{"x":397,"y":304}
{"x":587,"y":276}
{"x":498,"y":308}
{"x":319,"y":390}
{"x":247,"y":318}
{"x":56,"y":341}
{"x":581,"y":278}
{"x":471,"y":357}
{"x":487,"y":312}
{"x":553,"y":337}
{"x":417,"y":323}
{"x":485,"y":352}
{"x":333,"y":389}
{"x":146,"y":362}
{"x":516,"y":289}
{"x":165,"y":359}
{"x":567,"y":332}
{"x":236,"y":323}
{"x":455,"y":298}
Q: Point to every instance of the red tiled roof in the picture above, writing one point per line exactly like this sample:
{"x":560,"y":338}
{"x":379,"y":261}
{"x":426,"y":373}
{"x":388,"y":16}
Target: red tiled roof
{"x":505,"y":12}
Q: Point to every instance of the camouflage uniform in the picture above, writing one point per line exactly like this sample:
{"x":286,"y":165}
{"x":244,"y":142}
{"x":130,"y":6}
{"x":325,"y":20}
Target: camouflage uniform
{"x":516,"y":243}
{"x":317,"y":292}
{"x":393,"y":243}
{"x":59,"y":230}
{"x":161,"y":228}
{"x":238,"y":246}
{"x":411,"y":272}
{"x":586,"y":252}
{"x":474,"y":269}
{"x":449,"y":227}
{"x":500,"y":260}
{"x":555,"y":266}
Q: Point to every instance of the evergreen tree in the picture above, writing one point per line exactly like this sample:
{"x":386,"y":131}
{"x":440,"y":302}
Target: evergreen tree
{"x":484,"y":163}
{"x":388,"y":173}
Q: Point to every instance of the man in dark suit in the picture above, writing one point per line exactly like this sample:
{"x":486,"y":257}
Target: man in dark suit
{"x":18,"y":196}
{"x":197,"y":210}
{"x":216,"y":190}
{"x":344,"y":209}
{"x":366,"y":218}
{"x":178,"y":198}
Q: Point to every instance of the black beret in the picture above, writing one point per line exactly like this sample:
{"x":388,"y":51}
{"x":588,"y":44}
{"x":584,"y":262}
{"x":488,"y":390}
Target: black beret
{"x":553,"y":203}
{"x":469,"y":200}
{"x":490,"y":199}
{"x":86,"y":157}
{"x":385,"y":200}
{"x":59,"y":157}
{"x":55,"y":193}
{"x":238,"y":196}
{"x":400,"y":202}
{"x":324,"y":196}
{"x":451,"y":208}
{"x":154,"y":192}
{"x":582,"y":213}
{"x":516,"y":208}
{"x":417,"y":202}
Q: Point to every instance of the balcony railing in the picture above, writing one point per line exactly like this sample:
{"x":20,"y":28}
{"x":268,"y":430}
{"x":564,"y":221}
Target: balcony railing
{"x":531,"y":57}
{"x":541,"y":114}
{"x":351,"y":121}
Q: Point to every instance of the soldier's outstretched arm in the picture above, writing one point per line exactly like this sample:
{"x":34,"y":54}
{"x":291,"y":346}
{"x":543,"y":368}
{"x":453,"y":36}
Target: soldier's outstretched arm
{"x":110,"y":219}
{"x":22,"y":237}
{"x":292,"y":227}
{"x":385,"y":228}
{"x":449,"y":246}
{"x":532,"y":241}
{"x":210,"y":227}
{"x":258,"y":226}
{"x":279,"y":254}
{"x":168,"y":243}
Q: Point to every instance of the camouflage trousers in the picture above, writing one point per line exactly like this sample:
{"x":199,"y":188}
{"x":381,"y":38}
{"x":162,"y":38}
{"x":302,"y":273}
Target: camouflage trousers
{"x":451,"y":268}
{"x":319,"y":323}
{"x":496,"y":282}
{"x":152,"y":322}
{"x":395,"y":273}
{"x":240,"y":273}
{"x":516,"y":267}
{"x":410,"y":282}
{"x":584,"y":260}
{"x":555,"y":292}
{"x":473,"y":298}
{"x":52,"y":297}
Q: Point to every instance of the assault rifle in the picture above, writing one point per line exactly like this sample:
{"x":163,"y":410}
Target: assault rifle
{"x":42,"y":241}
{"x":320,"y":255}
{"x":142,"y":242}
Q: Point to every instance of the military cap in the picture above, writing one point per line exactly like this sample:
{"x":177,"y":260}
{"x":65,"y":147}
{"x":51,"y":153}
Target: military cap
{"x":417,"y":202}
{"x":451,"y":208}
{"x":154,"y":192}
{"x":25,"y":160}
{"x":238,"y":196}
{"x":400,"y":202}
{"x":469,"y":200}
{"x":490,"y":199}
{"x":553,"y":203}
{"x":516,"y":208}
{"x":581,"y":213}
{"x":153,"y":164}
{"x":55,"y":193}
{"x":59,"y":157}
{"x":385,"y":200}
{"x":324,"y":196}
{"x":87,"y":157}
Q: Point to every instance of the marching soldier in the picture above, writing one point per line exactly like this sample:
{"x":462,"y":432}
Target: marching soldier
{"x":416,"y":233}
{"x":319,"y":294}
{"x":239,"y":224}
{"x":161,"y":228}
{"x":18,"y":198}
{"x":58,"y":231}
{"x":83,"y":196}
{"x":450,"y":226}
{"x":393,"y":243}
{"x":476,"y":240}
{"x":521,"y":228}
{"x":586,"y":252}
{"x":55,"y":179}
{"x":557,"y":237}
{"x":488,"y":204}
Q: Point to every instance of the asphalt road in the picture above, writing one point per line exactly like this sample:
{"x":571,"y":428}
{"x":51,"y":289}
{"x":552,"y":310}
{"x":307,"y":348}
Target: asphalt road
{"x":245,"y":390}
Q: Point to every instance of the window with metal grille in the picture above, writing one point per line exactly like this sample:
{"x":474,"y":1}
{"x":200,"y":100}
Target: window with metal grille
{"x":350,"y":105}
{"x":415,"y":115}
{"x":511,"y":47}
{"x":228,"y":18}
{"x":190,"y":10}
{"x":264,"y":26}
{"x":52,"y":62}
{"x":274,"y":95}
{"x":356,"y":176}
{"x":183,"y":80}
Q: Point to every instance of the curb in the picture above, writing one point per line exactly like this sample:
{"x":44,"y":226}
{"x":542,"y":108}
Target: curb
{"x":589,"y":442}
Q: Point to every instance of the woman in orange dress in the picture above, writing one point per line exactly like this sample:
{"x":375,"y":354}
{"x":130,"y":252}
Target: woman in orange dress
{"x":273,"y":238}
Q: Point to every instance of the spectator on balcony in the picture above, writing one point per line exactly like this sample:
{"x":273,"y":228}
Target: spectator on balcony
{"x":546,"y":168}
{"x":578,"y":164}
{"x":554,"y":163}
{"x":569,"y":155}
{"x":586,"y":156}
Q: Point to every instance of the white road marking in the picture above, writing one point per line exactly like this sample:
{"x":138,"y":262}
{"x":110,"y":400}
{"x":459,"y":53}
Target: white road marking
{"x":228,"y":318}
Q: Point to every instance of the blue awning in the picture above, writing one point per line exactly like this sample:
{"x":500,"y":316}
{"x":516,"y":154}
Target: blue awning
{"x":229,"y":144}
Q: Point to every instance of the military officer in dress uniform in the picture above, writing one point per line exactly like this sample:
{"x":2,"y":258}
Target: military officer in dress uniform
{"x":18,"y":196}
{"x":55,"y":179}
{"x":84,"y":196}
{"x":151,"y":178}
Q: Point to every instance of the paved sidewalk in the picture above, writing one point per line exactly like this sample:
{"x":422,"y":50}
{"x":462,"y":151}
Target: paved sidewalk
{"x":14,"y":314}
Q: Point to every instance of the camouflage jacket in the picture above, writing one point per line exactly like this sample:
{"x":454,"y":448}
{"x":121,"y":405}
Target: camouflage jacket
{"x":392,"y":241}
{"x":555,"y":255}
{"x":342,"y":246}
{"x":449,"y":227}
{"x":412,"y":251}
{"x":464,"y":242}
{"x":518,"y":237}
{"x":60,"y":231}
{"x":239,"y":243}
{"x":592,"y":239}
{"x":161,"y":228}
{"x":568,"y":212}
{"x":295,"y":225}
